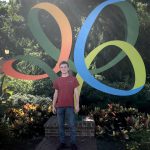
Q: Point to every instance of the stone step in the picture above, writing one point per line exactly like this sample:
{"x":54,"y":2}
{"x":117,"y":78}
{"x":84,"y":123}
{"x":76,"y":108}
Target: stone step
{"x":83,"y":143}
{"x":84,"y":127}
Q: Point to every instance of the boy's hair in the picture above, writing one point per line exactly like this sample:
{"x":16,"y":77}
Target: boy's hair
{"x":64,"y":62}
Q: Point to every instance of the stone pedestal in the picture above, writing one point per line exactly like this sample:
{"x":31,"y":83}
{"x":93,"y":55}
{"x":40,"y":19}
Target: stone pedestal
{"x":85,"y":135}
{"x":84,"y":127}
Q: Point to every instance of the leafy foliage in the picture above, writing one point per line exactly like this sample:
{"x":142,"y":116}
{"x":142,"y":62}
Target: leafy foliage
{"x":26,"y":115}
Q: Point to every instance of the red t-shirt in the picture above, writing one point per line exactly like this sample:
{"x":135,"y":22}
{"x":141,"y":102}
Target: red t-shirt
{"x":65,"y":87}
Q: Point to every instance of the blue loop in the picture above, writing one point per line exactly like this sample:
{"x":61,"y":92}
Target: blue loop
{"x":79,"y":54}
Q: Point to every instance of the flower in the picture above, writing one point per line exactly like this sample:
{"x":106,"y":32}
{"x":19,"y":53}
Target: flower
{"x":27,"y":118}
{"x":117,"y":120}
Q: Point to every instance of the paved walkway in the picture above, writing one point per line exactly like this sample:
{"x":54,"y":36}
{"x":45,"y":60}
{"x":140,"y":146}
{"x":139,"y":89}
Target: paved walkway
{"x":83,"y":143}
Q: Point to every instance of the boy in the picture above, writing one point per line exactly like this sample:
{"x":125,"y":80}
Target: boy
{"x":63,"y":104}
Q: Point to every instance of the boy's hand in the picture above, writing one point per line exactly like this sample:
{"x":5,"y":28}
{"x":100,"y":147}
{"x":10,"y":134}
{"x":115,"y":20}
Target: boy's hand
{"x":54,"y":110}
{"x":77,"y":109}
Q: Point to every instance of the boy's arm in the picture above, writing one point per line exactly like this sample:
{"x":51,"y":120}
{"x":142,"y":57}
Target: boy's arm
{"x":55,"y":96}
{"x":77,"y":100}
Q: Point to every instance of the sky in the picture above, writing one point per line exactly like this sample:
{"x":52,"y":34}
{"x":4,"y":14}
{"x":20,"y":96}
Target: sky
{"x":5,"y":0}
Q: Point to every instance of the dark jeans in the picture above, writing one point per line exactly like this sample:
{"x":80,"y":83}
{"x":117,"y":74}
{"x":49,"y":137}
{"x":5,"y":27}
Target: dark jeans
{"x":69,"y":113}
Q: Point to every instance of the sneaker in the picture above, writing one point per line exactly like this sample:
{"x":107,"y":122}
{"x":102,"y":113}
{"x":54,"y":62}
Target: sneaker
{"x":74,"y":147}
{"x":61,"y":146}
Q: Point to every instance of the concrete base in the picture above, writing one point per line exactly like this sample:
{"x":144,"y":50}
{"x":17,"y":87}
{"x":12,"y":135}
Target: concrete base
{"x":83,"y":143}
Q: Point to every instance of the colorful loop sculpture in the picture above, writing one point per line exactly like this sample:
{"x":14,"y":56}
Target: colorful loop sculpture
{"x":81,"y":64}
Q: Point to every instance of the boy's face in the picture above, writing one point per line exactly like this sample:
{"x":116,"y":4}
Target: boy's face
{"x":64,"y":68}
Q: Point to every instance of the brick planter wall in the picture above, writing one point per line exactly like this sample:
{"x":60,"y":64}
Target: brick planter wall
{"x":84,"y":127}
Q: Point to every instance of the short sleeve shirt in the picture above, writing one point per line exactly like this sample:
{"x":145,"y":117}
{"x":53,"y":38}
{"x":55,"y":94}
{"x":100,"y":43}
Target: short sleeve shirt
{"x":65,"y":87}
